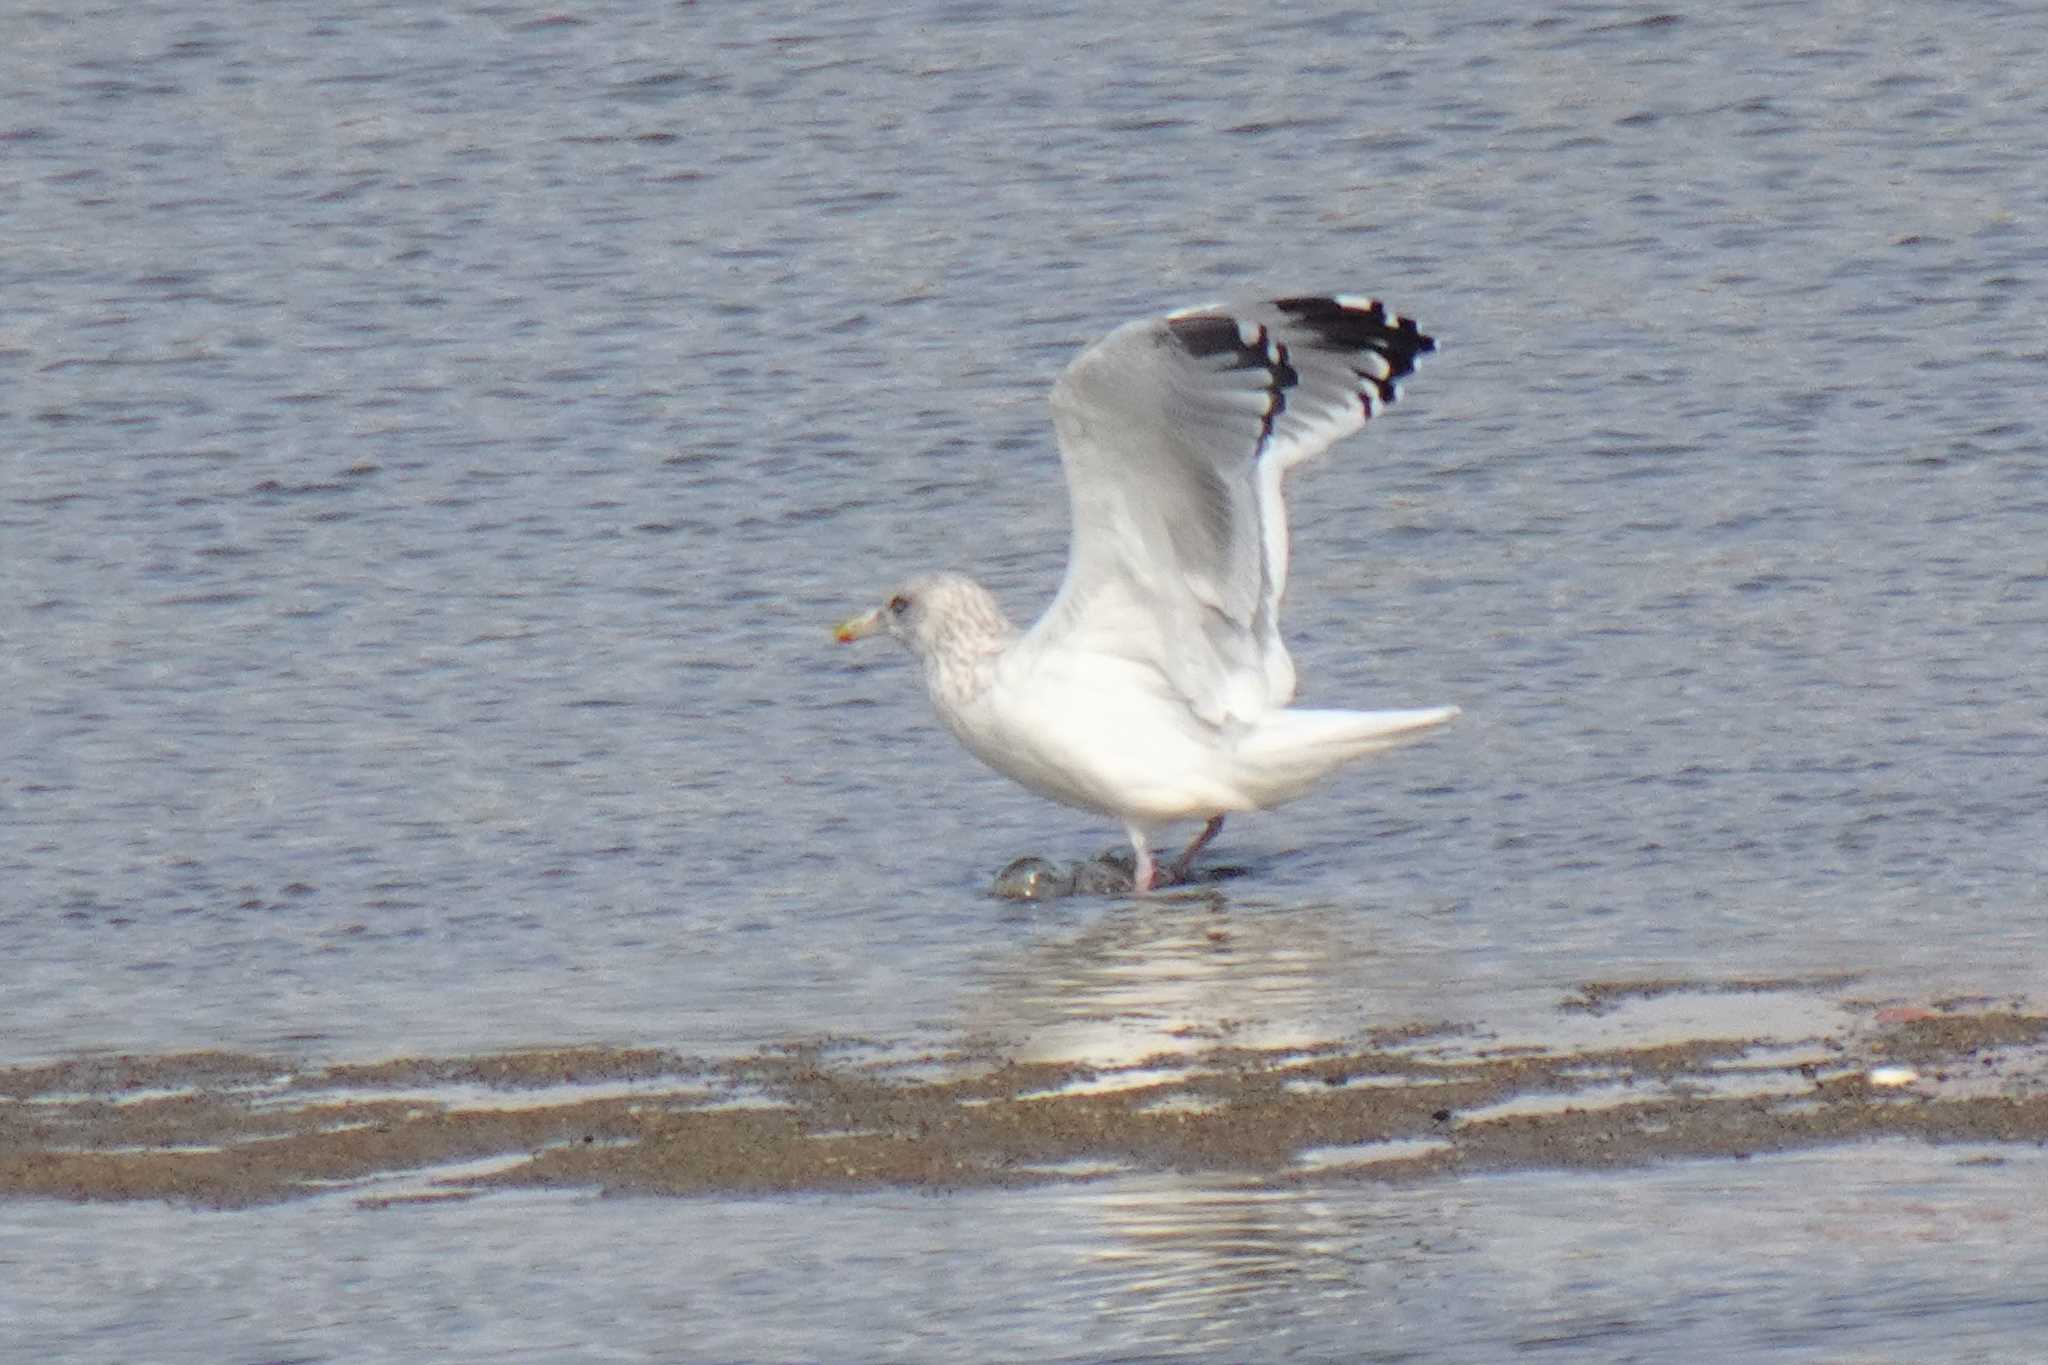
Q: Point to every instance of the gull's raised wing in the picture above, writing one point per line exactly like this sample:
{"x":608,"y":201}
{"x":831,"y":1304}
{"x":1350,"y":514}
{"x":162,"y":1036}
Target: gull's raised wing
{"x":1175,"y":433}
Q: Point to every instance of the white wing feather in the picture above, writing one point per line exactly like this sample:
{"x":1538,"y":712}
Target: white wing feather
{"x":1176,"y":434}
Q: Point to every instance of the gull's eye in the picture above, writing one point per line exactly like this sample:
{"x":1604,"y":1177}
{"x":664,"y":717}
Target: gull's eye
{"x":898,"y":604}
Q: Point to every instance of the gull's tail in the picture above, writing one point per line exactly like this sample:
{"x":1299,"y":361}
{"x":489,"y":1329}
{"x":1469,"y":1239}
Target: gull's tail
{"x":1289,"y":751}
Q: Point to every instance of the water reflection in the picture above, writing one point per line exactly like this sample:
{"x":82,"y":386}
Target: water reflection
{"x":1179,"y":1262}
{"x":1882,"y":1248}
{"x":1173,"y":976}
{"x":1187,"y":1262}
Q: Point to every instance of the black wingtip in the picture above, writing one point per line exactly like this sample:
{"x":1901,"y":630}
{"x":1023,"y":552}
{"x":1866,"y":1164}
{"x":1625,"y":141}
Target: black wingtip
{"x":1203,"y":335}
{"x":1365,"y":326}
{"x":1383,"y":345}
{"x":1361,"y":324}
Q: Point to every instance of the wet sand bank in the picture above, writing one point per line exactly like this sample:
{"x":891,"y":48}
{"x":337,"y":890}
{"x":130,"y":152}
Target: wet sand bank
{"x":1607,"y":1090}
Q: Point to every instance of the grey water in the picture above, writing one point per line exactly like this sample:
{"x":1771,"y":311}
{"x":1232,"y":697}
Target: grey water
{"x":435,"y":443}
{"x":1912,"y":1255}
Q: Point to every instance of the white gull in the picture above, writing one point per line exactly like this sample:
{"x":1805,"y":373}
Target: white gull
{"x":1155,"y":688}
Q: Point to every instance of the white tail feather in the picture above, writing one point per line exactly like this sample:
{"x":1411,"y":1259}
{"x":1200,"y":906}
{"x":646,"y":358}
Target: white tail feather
{"x":1289,"y":751}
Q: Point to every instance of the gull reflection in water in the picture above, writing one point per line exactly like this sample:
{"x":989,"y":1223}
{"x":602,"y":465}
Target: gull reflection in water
{"x":1179,"y":975}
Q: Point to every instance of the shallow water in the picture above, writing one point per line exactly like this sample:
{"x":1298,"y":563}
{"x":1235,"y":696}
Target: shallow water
{"x":1878,"y":1252}
{"x":436,"y":445}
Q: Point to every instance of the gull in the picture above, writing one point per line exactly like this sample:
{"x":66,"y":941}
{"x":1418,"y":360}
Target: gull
{"x":1155,"y":689}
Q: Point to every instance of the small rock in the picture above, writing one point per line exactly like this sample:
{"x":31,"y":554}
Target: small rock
{"x":1106,"y":874}
{"x":1033,"y":879}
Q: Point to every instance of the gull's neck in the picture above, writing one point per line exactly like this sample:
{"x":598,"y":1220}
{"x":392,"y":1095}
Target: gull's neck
{"x":960,"y":648}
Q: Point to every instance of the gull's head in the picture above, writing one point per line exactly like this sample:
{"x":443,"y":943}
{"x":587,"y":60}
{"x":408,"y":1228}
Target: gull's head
{"x":940,"y":614}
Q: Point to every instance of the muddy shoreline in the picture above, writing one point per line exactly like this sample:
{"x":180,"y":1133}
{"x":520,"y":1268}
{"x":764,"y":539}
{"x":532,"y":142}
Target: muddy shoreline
{"x":229,"y":1130}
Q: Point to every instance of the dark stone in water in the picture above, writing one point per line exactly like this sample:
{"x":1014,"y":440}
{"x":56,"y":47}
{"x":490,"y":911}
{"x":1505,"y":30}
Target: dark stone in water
{"x":1106,"y":874}
{"x":1033,"y":879}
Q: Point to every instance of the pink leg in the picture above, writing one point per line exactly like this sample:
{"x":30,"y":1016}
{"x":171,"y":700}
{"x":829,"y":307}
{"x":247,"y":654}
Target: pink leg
{"x":1179,"y":870}
{"x":1144,"y":871}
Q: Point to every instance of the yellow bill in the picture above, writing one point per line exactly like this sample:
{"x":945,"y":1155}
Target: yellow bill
{"x":859,"y":627}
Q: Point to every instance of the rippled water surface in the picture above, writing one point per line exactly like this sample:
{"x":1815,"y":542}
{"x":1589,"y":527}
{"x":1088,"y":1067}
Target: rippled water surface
{"x":434,"y":443}
{"x":1903,"y":1254}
